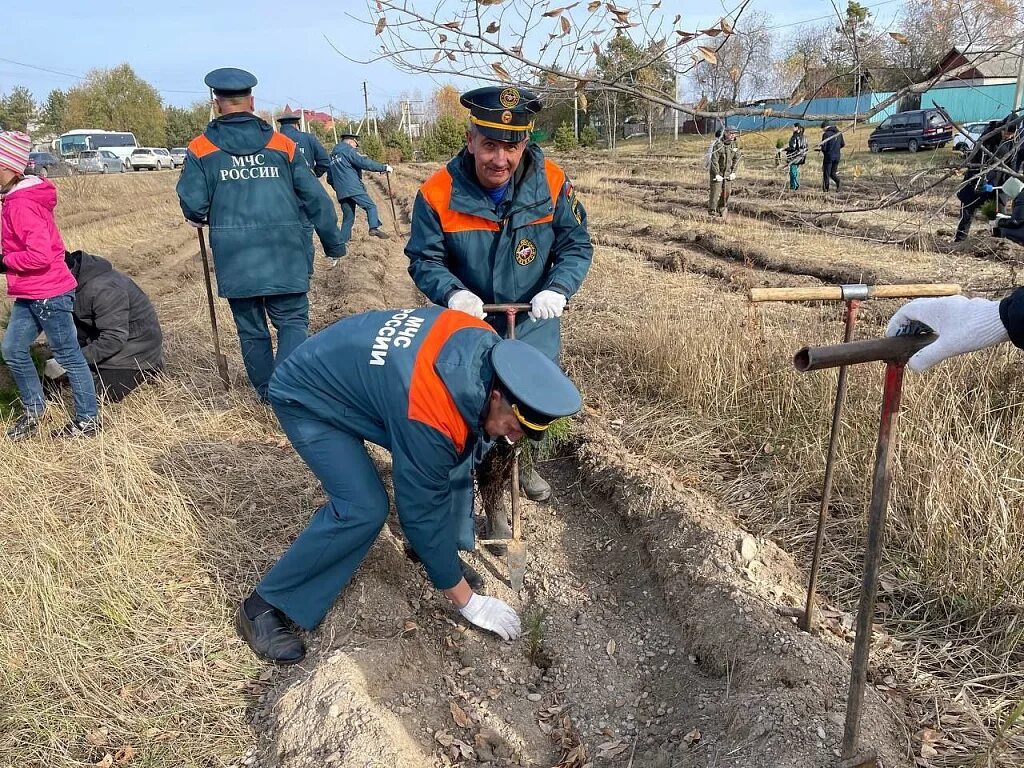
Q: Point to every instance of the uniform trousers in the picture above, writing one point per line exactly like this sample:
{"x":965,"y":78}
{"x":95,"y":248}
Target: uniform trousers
{"x":289,"y":314}
{"x":718,"y":200}
{"x":348,"y":213}
{"x":318,"y":565}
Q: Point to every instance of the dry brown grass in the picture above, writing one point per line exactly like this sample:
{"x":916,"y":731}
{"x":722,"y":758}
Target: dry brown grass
{"x":115,"y":625}
{"x":704,"y":382}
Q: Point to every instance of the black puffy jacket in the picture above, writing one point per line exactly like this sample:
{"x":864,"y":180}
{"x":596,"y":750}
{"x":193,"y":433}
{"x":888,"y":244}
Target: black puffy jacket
{"x":116,"y":322}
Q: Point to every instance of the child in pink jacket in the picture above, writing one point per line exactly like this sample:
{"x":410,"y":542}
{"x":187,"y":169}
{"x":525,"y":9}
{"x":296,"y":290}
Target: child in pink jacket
{"x":43,"y":290}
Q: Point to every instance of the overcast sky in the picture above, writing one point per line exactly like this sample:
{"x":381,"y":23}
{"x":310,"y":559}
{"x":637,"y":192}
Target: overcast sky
{"x":173,"y":45}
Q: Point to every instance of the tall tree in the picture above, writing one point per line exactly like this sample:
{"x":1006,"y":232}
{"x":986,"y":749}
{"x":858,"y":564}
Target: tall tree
{"x":644,"y":71}
{"x":928,"y":30}
{"x":743,"y":68}
{"x":118,"y":99}
{"x":52,"y":113}
{"x":17,"y":109}
{"x":444,"y":102}
{"x":184,"y":124}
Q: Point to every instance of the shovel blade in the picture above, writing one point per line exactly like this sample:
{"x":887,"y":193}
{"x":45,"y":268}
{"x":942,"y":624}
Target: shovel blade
{"x":515,"y":557}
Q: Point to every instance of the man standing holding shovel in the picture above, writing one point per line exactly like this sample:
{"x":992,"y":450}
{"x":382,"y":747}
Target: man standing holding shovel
{"x":346,"y":176}
{"x":500,"y":224}
{"x":254,"y":190}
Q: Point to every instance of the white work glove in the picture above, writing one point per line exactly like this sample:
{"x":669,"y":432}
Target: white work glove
{"x":732,"y":177}
{"x":963,"y":325}
{"x":195,"y":224}
{"x":547,"y":305}
{"x":53,"y":370}
{"x":719,"y":178}
{"x":468,"y":302}
{"x":388,"y":169}
{"x":492,"y":614}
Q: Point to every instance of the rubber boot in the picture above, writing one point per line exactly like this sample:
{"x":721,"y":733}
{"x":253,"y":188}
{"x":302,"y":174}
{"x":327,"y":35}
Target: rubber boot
{"x":533,"y":486}
{"x":494,"y":475}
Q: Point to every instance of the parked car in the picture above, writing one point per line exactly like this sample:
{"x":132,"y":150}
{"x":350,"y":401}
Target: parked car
{"x":164,"y":157}
{"x":178,"y":156}
{"x":100,"y":161}
{"x":46,"y":164}
{"x":911,"y":130}
{"x":967,"y":136}
{"x":145,"y":157}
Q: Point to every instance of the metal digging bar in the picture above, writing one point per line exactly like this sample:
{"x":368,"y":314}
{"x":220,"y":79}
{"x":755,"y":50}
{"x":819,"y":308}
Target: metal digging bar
{"x":894,"y":352}
{"x":515,"y":548}
{"x":391,"y":199}
{"x":852,"y":295}
{"x":222,"y":361}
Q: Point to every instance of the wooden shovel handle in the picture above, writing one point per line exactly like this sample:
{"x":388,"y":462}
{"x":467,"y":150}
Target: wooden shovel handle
{"x":843,"y":293}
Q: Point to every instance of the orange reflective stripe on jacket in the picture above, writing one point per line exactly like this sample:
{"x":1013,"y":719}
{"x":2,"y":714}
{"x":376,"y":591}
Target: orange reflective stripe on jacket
{"x":282,"y":143}
{"x":437,"y":191}
{"x":201,"y":146}
{"x":429,"y":399}
{"x":556,"y":180}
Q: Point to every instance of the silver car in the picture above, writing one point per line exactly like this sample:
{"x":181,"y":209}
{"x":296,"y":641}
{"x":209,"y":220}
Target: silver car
{"x":100,"y":161}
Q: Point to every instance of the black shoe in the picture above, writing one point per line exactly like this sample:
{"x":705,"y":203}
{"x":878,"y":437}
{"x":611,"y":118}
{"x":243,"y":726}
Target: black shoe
{"x":77,"y":428}
{"x":378,"y":232}
{"x":269,"y":637}
{"x":25,"y":427}
{"x":472,"y":576}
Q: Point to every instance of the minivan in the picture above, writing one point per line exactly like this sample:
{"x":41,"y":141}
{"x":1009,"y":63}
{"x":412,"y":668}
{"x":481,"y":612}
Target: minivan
{"x":911,"y":130}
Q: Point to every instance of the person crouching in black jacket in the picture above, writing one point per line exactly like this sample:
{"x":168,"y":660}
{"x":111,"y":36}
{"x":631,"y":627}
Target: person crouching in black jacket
{"x":118,"y":329}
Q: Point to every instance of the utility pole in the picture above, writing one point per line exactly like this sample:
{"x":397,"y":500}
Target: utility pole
{"x":368,"y":117}
{"x":1019,"y":93}
{"x":675,"y":116}
{"x":576,"y":116}
{"x":334,"y":123}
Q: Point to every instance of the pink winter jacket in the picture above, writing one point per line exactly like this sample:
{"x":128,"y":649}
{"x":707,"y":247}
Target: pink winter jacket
{"x":33,"y":250}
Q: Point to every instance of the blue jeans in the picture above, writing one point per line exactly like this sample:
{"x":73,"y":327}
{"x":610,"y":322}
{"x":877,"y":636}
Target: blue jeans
{"x":794,"y":176}
{"x":29,"y":318}
{"x":289,"y":312}
{"x":348,"y":214}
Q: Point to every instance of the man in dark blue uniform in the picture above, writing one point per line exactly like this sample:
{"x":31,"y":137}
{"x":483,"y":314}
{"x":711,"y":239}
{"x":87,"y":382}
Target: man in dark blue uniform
{"x":254,"y":190}
{"x":426,"y":384}
{"x":346,"y":176}
{"x":501,"y":223}
{"x":312,"y":150}
{"x":316,"y":158}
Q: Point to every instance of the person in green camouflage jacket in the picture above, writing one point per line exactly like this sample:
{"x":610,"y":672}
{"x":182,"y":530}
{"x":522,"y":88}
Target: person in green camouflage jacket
{"x":726,"y":157}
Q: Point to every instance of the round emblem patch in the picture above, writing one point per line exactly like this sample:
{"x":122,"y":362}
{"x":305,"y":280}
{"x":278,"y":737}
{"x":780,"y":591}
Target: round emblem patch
{"x":509,"y":97}
{"x":506,"y":117}
{"x":526,"y":252}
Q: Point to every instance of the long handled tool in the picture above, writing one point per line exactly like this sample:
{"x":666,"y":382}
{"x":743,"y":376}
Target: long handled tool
{"x":515,"y":552}
{"x":852,"y":295}
{"x":391,"y":199}
{"x":894,"y":352}
{"x":222,"y":361}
